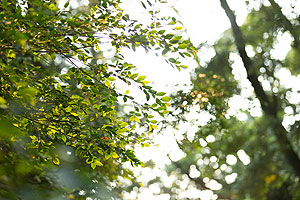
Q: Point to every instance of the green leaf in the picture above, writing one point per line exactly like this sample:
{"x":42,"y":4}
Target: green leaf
{"x":58,"y":87}
{"x":55,"y":161}
{"x":123,"y":130}
{"x":160,"y":94}
{"x":184,"y":66}
{"x":165,"y":112}
{"x":93,"y":165}
{"x":187,"y":54}
{"x":111,"y":78}
{"x":114,"y":155}
{"x":107,"y":156}
{"x":63,"y":137}
{"x":123,"y":124}
{"x":98,"y":163}
{"x":66,"y":4}
{"x":166,"y":99}
{"x":183,"y":46}
{"x":3,"y":103}
{"x":146,"y":144}
{"x":169,"y":36}
{"x":133,"y":76}
{"x":107,"y":83}
{"x":153,"y":121}
{"x":172,"y":60}
{"x":174,"y":41}
{"x":74,"y":114}
{"x":68,"y":109}
{"x":141,"y":78}
{"x":154,"y":105}
{"x":165,"y":51}
{"x":161,"y":31}
{"x":53,"y":7}
{"x":134,"y":118}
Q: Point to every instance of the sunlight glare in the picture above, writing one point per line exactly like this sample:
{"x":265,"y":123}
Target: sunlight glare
{"x":210,"y":138}
{"x":244,"y":158}
{"x":194,"y":173}
{"x":214,"y":185}
{"x":231,"y":178}
{"x":231,"y":159}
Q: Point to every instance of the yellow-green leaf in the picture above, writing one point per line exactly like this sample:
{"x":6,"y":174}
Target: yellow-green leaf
{"x":63,"y":137}
{"x":93,"y":165}
{"x":166,"y":99}
{"x":56,"y":161}
{"x":107,"y":83}
{"x":184,"y":66}
{"x":53,"y":7}
{"x":98,"y":163}
{"x":111,"y":78}
{"x":140,"y":78}
{"x":74,"y":114}
{"x":107,"y":156}
{"x":137,"y":119}
{"x":68,"y":109}
{"x":146,"y":145}
{"x":178,"y":28}
{"x":183,"y":46}
{"x":123,"y":130}
{"x":58,"y":87}
{"x":114,"y":155}
{"x":123,"y":124}
{"x":160,"y":94}
{"x":154,"y":126}
{"x":3,"y":103}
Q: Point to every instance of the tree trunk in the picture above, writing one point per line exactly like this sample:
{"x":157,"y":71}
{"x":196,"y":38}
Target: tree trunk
{"x":268,"y":102}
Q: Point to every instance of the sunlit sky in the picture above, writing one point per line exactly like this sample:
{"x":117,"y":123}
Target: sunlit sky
{"x":204,"y":21}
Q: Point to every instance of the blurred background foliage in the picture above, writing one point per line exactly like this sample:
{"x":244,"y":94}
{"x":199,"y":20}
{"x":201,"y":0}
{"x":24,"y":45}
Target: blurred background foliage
{"x":242,"y":157}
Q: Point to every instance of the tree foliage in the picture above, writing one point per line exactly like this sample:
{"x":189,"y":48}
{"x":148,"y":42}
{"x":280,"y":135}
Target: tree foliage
{"x":64,"y":134}
{"x":59,"y":96}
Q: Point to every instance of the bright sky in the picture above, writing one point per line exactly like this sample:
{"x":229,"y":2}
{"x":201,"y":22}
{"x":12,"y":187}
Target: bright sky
{"x":204,"y":21}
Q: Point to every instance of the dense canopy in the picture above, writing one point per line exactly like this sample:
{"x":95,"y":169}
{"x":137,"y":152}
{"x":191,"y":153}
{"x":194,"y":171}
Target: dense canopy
{"x":59,"y":96}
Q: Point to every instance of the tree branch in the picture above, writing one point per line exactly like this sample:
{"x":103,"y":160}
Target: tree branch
{"x":251,"y":73}
{"x":269,"y":107}
{"x":286,"y":23}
